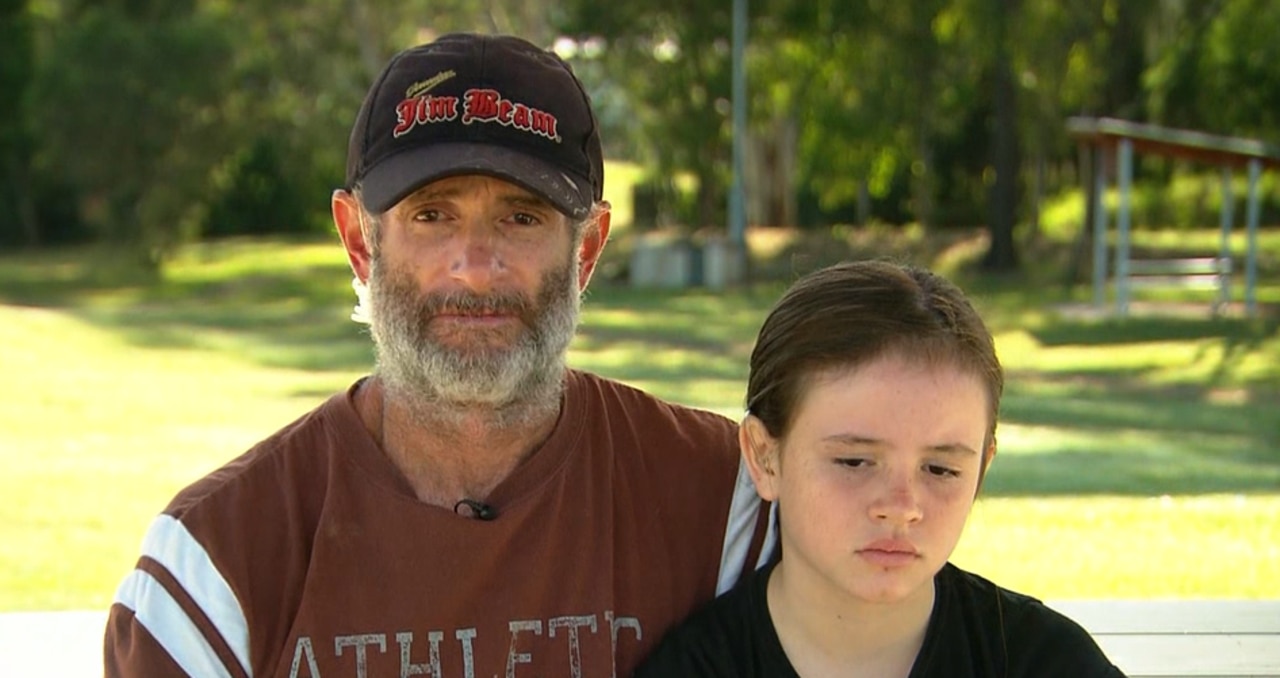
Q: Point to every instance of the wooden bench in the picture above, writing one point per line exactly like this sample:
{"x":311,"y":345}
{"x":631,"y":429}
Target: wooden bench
{"x":1195,"y":273}
{"x":1183,"y":638}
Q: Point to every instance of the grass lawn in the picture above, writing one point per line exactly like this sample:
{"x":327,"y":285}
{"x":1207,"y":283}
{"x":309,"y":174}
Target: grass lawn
{"x":1139,"y":458}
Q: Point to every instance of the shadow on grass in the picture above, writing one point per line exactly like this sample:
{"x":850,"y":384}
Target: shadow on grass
{"x":275,"y":322}
{"x":293,"y":316}
{"x":1104,"y":401}
{"x":1080,"y":472}
{"x":1108,"y":432}
{"x":1244,"y":332}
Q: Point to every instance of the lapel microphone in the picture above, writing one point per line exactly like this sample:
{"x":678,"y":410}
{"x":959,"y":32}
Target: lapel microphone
{"x":479,"y":509}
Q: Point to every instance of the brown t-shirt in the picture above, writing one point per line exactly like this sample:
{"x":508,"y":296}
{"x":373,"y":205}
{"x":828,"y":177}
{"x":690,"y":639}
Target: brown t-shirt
{"x":310,"y":556}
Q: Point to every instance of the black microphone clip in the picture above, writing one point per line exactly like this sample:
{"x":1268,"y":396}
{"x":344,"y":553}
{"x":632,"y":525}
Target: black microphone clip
{"x":479,"y":509}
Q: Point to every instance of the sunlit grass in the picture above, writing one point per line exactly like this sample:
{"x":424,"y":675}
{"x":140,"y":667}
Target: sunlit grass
{"x":1137,"y":547}
{"x":96,"y":433}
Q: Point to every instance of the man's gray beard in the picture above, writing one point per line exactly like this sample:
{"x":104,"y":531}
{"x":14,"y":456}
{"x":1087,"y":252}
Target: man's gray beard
{"x":441,"y":382}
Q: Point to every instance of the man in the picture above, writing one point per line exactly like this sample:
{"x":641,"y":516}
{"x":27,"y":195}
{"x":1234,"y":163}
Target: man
{"x":473,"y":508}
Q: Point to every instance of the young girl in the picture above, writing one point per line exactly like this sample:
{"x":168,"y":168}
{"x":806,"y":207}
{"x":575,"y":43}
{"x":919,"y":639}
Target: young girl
{"x":871,"y":420}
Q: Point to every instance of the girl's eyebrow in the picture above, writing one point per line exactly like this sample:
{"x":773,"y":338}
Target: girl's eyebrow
{"x":953,"y":448}
{"x":851,"y":439}
{"x":855,"y":440}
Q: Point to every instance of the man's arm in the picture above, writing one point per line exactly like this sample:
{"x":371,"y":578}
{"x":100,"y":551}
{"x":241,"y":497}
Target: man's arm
{"x":750,"y":537}
{"x":175,"y":614}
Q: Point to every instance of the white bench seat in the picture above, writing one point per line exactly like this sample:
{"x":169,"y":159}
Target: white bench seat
{"x":1209,"y":273}
{"x":1184,"y":638}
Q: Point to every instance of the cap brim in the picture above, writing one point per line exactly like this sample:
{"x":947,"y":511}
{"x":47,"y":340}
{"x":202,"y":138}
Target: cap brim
{"x":391,"y":180}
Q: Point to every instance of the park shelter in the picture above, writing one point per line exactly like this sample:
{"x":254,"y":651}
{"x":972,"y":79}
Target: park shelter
{"x":1124,"y":138}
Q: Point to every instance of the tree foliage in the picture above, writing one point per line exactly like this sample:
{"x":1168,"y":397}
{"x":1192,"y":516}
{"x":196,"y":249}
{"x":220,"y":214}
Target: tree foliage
{"x":17,"y":60}
{"x":131,"y":118}
{"x":155,"y":121}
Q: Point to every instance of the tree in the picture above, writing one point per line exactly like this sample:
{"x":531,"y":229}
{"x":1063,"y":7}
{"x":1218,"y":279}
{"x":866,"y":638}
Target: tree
{"x":1002,"y":254}
{"x":161,"y":101}
{"x":1214,"y":68}
{"x":133,"y":119}
{"x":672,"y":61}
{"x":17,"y":59}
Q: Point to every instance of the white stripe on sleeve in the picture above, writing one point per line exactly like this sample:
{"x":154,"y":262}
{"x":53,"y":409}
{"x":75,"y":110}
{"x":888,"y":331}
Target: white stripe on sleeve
{"x":170,"y":544}
{"x":164,"y":619}
{"x":739,"y":530}
{"x":770,"y":537}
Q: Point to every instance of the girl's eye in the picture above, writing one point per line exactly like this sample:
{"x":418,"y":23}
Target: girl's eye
{"x":853,"y":462}
{"x":942,"y":471}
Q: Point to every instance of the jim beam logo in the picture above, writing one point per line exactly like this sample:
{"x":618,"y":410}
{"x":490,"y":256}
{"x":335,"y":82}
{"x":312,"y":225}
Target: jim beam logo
{"x":420,"y":107}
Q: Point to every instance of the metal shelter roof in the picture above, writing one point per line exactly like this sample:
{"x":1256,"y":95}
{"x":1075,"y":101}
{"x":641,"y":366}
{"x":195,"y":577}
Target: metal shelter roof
{"x":1177,"y":143}
{"x":1125,"y":138}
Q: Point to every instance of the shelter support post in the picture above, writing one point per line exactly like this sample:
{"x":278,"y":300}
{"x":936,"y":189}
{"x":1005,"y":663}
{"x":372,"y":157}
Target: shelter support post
{"x":737,"y":190}
{"x":1124,"y":178}
{"x":1251,"y":262}
{"x":1224,"y":251}
{"x":1099,"y":228}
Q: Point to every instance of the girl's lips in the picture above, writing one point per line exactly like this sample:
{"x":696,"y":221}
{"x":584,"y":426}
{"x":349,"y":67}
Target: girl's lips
{"x":891,"y":546}
{"x":888,"y":558}
{"x":889,"y":552}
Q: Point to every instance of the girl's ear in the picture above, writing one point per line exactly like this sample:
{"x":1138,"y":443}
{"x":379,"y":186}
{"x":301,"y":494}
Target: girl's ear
{"x":760,"y":453}
{"x":988,"y":456}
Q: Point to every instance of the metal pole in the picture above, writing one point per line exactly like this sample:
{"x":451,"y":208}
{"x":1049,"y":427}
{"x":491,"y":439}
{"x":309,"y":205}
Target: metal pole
{"x":1125,"y":178}
{"x":1251,"y":263}
{"x":1228,"y":216}
{"x":737,"y":198}
{"x":1099,"y":161}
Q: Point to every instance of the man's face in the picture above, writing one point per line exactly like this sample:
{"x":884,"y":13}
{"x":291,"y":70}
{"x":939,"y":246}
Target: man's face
{"x":475,"y":294}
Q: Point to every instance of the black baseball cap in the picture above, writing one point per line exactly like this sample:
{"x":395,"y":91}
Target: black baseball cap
{"x":477,"y":104}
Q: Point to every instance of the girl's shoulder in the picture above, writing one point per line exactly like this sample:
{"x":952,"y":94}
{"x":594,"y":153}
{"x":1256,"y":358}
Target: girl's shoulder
{"x":1015,"y":630}
{"x":733,"y":636}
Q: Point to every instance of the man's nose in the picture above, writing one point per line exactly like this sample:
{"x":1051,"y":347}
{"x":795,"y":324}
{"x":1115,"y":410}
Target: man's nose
{"x":477,"y":259}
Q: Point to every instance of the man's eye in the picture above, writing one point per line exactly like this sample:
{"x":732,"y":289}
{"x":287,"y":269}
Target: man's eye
{"x":427,"y":215}
{"x":942,"y":471}
{"x":525,"y":219}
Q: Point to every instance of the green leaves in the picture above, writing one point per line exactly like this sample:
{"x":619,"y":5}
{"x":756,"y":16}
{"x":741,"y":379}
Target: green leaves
{"x":129,"y":112}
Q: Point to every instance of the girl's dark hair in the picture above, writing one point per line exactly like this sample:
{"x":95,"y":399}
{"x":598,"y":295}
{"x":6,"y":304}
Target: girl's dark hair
{"x":846,"y":315}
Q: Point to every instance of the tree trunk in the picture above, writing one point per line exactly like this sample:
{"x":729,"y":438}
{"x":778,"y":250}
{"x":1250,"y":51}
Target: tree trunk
{"x":1088,"y":159}
{"x":864,"y":203}
{"x":1003,"y":254}
{"x":922,"y":182}
{"x":1037,"y":194}
{"x":25,"y":207}
{"x":709,"y":200}
{"x":367,"y":38}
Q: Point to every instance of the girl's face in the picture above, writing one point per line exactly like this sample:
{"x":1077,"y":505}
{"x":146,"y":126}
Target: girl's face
{"x":875,"y":479}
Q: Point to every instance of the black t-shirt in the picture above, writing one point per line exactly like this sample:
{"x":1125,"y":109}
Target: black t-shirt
{"x":976,"y":629}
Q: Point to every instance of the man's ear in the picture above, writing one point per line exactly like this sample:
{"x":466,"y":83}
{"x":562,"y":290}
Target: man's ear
{"x":594,"y":237}
{"x":348,"y":217}
{"x":760,"y":452}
